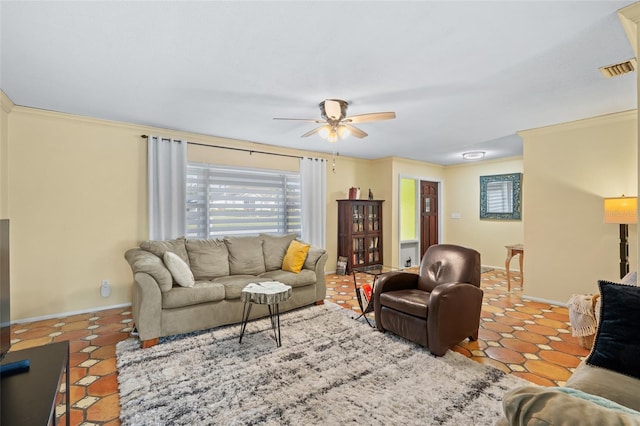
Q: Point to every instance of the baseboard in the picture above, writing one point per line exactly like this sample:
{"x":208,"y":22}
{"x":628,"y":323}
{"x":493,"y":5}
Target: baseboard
{"x":547,"y":301}
{"x":67,"y":314}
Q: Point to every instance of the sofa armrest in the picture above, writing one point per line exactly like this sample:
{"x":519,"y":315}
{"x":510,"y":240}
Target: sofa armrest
{"x":321,"y":284}
{"x":147,"y":306}
{"x":551,"y":406}
{"x":147,"y":262}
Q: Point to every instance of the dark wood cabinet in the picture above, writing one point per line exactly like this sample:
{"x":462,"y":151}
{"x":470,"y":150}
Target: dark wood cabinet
{"x":360,"y":232}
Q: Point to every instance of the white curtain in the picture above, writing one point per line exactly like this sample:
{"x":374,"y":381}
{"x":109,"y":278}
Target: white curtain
{"x":313,"y":182}
{"x":167,"y":176}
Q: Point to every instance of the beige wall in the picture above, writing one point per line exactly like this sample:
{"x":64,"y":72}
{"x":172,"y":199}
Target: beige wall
{"x":76,"y":196}
{"x":568,"y":170}
{"x":5,"y":108}
{"x":463,"y":196}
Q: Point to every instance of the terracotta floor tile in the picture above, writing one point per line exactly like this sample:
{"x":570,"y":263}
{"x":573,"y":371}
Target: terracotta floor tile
{"x":103,"y":367}
{"x":541,"y":329}
{"x":106,"y":409}
{"x":79,"y":325}
{"x":531,"y":337}
{"x":498,"y":327}
{"x":519,"y":346}
{"x":547,"y":370}
{"x":104,"y":386}
{"x":25,"y":344}
{"x":77,"y":393}
{"x":505,"y":355}
{"x":569,"y":348}
{"x":559,"y":358}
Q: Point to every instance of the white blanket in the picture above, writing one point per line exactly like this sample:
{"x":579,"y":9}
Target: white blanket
{"x":581,"y":315}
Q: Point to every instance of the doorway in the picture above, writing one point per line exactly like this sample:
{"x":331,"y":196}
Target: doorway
{"x":428,"y":215}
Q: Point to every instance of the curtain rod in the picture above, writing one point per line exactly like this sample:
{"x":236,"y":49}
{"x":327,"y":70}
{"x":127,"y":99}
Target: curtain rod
{"x":250,"y":151}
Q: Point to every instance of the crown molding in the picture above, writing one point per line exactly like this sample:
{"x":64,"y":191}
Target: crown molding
{"x":5,"y":103}
{"x":583,"y":123}
{"x":629,"y":17}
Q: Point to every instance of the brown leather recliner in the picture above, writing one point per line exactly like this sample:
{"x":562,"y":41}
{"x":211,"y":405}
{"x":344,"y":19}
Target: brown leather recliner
{"x":437,"y":308}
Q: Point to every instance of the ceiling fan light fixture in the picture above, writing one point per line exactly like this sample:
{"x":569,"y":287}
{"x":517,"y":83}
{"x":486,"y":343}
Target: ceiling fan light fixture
{"x":343,"y":132}
{"x":473,"y":155}
{"x":324,"y":132}
{"x":333,"y":136}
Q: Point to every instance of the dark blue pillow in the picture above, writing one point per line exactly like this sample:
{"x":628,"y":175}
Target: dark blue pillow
{"x":617,"y":343}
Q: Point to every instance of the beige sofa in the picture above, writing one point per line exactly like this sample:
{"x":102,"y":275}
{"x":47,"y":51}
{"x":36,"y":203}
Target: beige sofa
{"x":221,"y":268}
{"x":605,"y":388}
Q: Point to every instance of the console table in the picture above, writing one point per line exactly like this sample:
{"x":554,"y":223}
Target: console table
{"x":29,"y":398}
{"x":514,"y":250}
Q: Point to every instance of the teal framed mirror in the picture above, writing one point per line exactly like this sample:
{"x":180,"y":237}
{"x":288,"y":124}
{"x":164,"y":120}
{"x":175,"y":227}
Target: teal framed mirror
{"x":501,"y":197}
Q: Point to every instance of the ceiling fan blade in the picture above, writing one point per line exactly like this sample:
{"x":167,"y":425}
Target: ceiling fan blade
{"x":309,"y":120}
{"x":355,"y":131}
{"x":374,"y":116}
{"x":313,"y":132}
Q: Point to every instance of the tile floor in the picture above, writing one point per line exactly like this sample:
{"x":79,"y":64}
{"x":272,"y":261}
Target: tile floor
{"x":528,"y":339}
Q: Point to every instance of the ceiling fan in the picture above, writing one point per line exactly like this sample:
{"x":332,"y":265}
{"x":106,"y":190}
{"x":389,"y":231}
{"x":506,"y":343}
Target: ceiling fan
{"x":336,"y":124}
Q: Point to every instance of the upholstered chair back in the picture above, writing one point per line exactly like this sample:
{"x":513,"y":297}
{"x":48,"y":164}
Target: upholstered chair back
{"x":445,"y":263}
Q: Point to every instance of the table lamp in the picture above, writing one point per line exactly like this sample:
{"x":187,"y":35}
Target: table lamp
{"x":623,"y":211}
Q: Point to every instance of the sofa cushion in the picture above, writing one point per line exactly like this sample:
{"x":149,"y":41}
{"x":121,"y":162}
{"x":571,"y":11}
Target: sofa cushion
{"x":530,"y":405}
{"x":295,"y":257}
{"x":201,"y":292}
{"x":304,"y":278}
{"x":274,"y":248}
{"x":208,"y":258}
{"x":245,"y":255}
{"x":159,"y":247}
{"x":617,"y":344}
{"x":148,"y":263}
{"x":234,"y":284}
{"x":179,"y":269}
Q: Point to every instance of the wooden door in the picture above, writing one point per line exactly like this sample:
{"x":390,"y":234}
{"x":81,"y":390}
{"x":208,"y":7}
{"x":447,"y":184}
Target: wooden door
{"x":428,"y":215}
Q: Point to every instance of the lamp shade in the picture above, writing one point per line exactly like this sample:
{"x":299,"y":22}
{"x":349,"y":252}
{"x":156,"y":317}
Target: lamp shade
{"x":622,"y":210}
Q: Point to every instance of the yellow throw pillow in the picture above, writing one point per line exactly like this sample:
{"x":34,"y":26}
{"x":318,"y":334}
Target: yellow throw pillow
{"x":295,"y":257}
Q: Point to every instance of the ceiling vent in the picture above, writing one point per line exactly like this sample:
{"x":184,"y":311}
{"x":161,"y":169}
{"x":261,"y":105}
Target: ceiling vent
{"x":619,"y":69}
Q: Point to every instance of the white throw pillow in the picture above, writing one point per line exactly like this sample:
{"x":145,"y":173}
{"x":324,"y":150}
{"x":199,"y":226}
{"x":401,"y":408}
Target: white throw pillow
{"x":179,"y":269}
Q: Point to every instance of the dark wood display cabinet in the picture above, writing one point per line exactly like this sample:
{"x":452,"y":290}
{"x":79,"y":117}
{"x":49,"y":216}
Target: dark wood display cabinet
{"x":360,"y":232}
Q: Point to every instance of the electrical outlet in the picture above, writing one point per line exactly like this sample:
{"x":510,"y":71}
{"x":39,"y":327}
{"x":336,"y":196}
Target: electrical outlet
{"x":105,"y":289}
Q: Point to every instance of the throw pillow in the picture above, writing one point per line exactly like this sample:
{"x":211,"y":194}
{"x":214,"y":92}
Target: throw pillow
{"x":295,"y":257}
{"x":617,"y":343}
{"x":179,"y":269}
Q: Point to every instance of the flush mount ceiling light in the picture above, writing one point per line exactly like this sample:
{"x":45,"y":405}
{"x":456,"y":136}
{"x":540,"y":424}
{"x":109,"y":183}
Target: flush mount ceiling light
{"x":473,"y":155}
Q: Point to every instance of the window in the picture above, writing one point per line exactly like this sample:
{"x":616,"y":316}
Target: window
{"x":225,"y":201}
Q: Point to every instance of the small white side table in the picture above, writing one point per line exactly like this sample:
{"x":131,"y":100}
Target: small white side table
{"x":269,"y":293}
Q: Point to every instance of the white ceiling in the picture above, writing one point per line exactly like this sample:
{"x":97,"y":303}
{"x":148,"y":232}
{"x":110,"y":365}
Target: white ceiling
{"x":460,"y":76}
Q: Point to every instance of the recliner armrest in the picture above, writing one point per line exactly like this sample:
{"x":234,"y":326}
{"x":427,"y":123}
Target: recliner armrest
{"x":396,"y":280}
{"x":454,"y":308}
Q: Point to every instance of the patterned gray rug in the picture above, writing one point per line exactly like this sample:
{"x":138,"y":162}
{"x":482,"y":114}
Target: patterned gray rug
{"x":329,"y":370}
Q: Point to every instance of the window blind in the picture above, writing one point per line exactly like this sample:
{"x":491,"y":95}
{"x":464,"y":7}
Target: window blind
{"x":225,"y":201}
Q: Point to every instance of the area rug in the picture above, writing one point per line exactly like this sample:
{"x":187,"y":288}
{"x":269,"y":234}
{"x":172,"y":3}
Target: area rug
{"x":329,"y":370}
